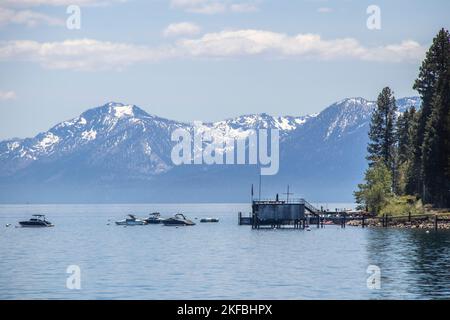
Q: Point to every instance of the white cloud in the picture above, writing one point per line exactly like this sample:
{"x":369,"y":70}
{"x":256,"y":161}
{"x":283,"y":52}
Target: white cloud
{"x":208,"y":8}
{"x":34,"y":3}
{"x":325,"y":10}
{"x":181,"y":28}
{"x":213,"y":6}
{"x":186,"y":3}
{"x":7,"y":95}
{"x":307,"y":46}
{"x":243,"y":7}
{"x":88,"y":54}
{"x":81,"y":54}
{"x":27,"y":17}
{"x":23,"y":11}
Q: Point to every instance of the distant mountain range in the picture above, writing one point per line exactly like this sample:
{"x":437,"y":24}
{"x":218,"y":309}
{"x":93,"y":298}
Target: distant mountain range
{"x":120,"y":153}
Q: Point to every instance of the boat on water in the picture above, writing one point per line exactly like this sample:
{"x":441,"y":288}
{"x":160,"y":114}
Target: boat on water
{"x":37,"y":221}
{"x":131,"y":221}
{"x":178,"y":220}
{"x":204,"y":220}
{"x":154,"y":218}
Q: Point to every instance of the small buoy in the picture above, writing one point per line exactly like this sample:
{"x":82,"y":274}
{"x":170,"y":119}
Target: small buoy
{"x":428,"y":231}
{"x":8,"y":224}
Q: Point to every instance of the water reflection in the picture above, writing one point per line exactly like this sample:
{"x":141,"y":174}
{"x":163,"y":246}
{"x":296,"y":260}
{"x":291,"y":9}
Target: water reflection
{"x":414,"y":263}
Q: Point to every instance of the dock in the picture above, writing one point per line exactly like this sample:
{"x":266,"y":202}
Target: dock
{"x":300,"y":214}
{"x":296,"y":214}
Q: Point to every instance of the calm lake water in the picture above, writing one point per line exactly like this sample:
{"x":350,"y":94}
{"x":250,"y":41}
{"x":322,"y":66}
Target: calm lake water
{"x":211,"y":261}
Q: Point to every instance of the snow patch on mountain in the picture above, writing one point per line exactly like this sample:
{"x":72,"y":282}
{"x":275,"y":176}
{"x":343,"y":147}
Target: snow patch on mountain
{"x":89,"y":135}
{"x":347,"y":114}
{"x":48,"y":142}
{"x":13,"y":145}
{"x":123,"y":111}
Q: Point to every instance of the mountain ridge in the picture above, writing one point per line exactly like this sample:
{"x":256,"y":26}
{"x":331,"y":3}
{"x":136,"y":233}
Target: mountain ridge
{"x":124,"y":148}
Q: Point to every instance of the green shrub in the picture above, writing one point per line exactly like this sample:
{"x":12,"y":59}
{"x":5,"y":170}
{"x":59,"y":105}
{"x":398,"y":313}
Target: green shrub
{"x":402,"y":206}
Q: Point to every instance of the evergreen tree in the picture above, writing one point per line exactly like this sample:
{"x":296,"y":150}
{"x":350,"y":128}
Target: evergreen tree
{"x":382,"y":133}
{"x":404,"y":134}
{"x":411,"y":179}
{"x":435,"y":147}
{"x":405,"y":149}
{"x":434,"y":68}
{"x":376,"y":130}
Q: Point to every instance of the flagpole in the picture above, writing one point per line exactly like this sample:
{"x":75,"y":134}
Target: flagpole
{"x":259,"y":187}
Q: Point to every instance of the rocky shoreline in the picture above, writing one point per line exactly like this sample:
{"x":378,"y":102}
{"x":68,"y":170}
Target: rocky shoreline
{"x":401,"y":224}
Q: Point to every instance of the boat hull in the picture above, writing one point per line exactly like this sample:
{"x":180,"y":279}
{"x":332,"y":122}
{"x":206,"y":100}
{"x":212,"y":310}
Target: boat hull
{"x":206,"y":220}
{"x":130,"y":223}
{"x":153,"y":221}
{"x":28,"y":224}
{"x":176,"y":223}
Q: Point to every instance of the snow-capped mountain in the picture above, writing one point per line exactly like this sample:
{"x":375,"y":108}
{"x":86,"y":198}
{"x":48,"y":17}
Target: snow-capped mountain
{"x":119,"y":152}
{"x":124,"y":135}
{"x":115,"y":137}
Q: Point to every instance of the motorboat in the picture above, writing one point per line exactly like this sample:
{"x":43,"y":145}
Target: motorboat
{"x":178,"y":220}
{"x":37,"y":221}
{"x":204,"y":220}
{"x":131,"y":221}
{"x":154,"y":218}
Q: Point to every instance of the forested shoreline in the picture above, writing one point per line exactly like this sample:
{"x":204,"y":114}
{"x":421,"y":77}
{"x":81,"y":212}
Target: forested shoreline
{"x":409,"y":153}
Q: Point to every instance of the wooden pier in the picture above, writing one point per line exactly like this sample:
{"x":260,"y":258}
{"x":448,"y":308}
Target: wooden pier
{"x":296,"y":214}
{"x":320,"y":218}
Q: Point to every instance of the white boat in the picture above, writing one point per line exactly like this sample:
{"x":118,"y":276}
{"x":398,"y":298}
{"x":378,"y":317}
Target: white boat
{"x":131,"y":221}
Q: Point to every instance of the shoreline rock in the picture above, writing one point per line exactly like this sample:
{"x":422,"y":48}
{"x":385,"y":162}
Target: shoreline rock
{"x":401,"y":224}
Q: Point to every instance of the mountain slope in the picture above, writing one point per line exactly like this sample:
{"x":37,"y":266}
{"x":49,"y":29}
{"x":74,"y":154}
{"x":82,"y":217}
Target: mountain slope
{"x":120,"y":153}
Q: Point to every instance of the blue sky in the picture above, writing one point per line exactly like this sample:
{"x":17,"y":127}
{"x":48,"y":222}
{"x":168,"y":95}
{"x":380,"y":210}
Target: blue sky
{"x":204,"y":59}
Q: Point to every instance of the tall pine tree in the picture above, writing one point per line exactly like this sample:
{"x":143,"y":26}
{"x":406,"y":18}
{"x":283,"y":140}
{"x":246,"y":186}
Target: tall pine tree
{"x":382,"y":133}
{"x":435,"y":147}
{"x":405,"y":125}
{"x":406,"y":128}
{"x":431,"y":163}
{"x":433,"y":71}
